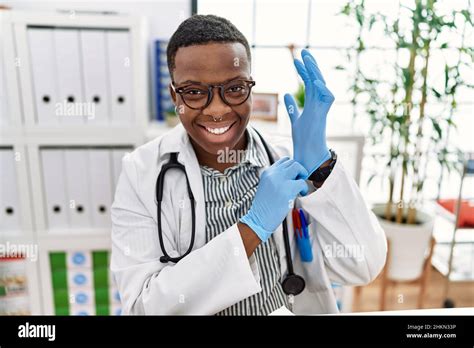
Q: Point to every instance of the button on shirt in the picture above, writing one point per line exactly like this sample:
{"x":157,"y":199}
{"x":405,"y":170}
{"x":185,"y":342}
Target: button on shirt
{"x":228,"y":196}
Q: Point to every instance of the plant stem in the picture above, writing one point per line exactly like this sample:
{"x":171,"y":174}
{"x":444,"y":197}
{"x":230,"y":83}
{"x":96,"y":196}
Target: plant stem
{"x":391,"y":176}
{"x":407,"y":103}
{"x":411,"y":217}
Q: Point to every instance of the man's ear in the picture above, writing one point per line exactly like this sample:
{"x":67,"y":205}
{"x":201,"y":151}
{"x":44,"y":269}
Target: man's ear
{"x":172,"y":93}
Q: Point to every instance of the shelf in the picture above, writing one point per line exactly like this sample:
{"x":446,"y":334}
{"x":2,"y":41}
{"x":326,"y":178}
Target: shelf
{"x":16,"y":237}
{"x":84,"y":136}
{"x":9,"y":136}
{"x":74,"y":242}
{"x":57,"y":19}
{"x":73,"y":233}
{"x":15,"y":295}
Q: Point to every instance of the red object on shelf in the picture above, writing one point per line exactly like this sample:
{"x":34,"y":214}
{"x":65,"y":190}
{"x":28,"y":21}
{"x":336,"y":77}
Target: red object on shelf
{"x":7,"y":257}
{"x":466,"y":216}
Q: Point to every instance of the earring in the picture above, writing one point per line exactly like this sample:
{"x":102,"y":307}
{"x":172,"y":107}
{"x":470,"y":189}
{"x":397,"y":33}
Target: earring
{"x":176,"y":109}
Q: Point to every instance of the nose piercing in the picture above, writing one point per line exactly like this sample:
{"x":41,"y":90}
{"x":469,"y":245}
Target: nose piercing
{"x":218,"y":119}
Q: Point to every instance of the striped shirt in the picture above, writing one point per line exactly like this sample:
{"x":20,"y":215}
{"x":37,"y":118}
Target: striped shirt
{"x":228,"y":196}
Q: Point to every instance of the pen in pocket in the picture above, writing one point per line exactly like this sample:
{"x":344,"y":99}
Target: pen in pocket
{"x":302,"y":235}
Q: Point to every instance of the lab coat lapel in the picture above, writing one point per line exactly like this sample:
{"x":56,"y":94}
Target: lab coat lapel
{"x":188,"y":158}
{"x":177,"y":140}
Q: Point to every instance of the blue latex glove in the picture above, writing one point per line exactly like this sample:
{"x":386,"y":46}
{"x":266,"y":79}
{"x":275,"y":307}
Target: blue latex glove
{"x":278,"y":187}
{"x":309,"y":128}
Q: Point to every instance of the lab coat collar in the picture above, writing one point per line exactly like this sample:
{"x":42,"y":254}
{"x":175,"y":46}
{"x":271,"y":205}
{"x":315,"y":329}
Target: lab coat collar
{"x":175,"y":140}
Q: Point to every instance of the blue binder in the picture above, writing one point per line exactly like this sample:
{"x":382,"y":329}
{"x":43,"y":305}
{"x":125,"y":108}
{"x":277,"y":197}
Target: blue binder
{"x":162,"y":80}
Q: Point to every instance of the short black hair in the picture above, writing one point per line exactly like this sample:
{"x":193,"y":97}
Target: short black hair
{"x":202,"y":29}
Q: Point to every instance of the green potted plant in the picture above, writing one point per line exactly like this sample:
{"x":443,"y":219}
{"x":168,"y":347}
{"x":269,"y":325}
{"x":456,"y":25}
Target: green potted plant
{"x":410,"y":136}
{"x":299,"y":96}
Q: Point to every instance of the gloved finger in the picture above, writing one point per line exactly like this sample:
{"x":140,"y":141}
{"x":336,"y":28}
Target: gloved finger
{"x":322,"y":92}
{"x":295,"y":170}
{"x":281,"y":161}
{"x":308,"y":86}
{"x":312,"y":64}
{"x":300,"y":187}
{"x":310,"y":69}
{"x":301,"y":69}
{"x":291,"y":107}
{"x":286,"y":164}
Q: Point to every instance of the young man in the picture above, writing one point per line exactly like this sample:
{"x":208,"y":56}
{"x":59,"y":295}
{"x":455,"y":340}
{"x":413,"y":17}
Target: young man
{"x":238,"y":259}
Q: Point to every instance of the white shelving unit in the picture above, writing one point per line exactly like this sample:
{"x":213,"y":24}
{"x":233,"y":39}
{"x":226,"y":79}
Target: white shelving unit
{"x":26,"y":137}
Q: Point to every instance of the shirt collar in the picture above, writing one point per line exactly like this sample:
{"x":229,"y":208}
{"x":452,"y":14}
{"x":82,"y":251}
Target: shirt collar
{"x":252,"y":154}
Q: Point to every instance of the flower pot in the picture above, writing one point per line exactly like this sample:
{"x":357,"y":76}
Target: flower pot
{"x":408,"y":244}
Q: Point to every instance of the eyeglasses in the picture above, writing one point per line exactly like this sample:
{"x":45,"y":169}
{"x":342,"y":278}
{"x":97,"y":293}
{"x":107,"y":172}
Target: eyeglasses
{"x":198,"y":96}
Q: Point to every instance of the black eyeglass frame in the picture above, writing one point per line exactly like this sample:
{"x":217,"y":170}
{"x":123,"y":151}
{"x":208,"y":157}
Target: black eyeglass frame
{"x":210,"y":95}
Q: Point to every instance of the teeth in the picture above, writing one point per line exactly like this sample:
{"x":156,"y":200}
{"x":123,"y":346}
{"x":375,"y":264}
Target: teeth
{"x":218,"y":130}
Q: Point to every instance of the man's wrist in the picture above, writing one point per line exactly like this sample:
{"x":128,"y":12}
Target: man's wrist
{"x":250,"y":220}
{"x":249,"y":238}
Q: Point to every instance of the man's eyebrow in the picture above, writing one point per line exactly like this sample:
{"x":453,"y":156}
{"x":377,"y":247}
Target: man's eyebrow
{"x":199,"y":82}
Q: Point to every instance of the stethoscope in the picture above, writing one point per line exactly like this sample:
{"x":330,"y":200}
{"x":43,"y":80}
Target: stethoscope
{"x":293,"y":284}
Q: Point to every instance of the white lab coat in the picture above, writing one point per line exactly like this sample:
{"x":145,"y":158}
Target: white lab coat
{"x":219,"y":274}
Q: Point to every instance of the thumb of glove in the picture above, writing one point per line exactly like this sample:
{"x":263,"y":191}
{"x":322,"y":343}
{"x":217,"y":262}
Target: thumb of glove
{"x":291,"y":107}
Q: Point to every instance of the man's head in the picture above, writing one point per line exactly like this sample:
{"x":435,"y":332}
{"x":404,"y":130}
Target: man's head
{"x":210,"y":50}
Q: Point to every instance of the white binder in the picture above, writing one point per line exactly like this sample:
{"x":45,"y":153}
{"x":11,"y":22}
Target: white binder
{"x":71,"y":109}
{"x":117,"y":156}
{"x":120,"y":76}
{"x":77,"y":165}
{"x":4,"y":116}
{"x":100,"y":181}
{"x":9,"y":203}
{"x":94,"y":61}
{"x":54,"y":184}
{"x":43,"y":67}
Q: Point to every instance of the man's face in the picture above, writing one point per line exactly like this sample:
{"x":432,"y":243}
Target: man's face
{"x":213,"y":63}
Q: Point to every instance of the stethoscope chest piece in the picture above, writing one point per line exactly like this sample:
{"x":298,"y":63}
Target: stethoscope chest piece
{"x":293,"y":284}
